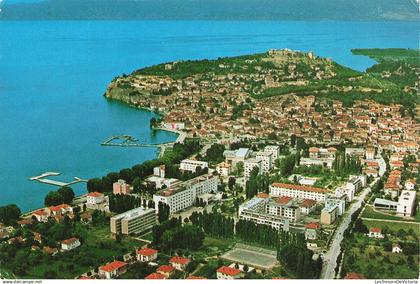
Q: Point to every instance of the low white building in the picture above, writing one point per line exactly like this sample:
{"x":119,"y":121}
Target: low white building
{"x":396,"y":248}
{"x":410,"y":184}
{"x":234,"y":157}
{"x":146,"y":254}
{"x":70,"y":244}
{"x":95,"y":198}
{"x":375,"y":233}
{"x":223,"y":169}
{"x":112,"y":269}
{"x":192,"y":165}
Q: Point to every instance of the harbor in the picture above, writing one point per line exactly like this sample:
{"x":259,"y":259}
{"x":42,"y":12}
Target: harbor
{"x":43,"y":179}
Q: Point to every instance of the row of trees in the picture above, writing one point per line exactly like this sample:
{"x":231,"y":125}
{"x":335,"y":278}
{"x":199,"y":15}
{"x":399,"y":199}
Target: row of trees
{"x":179,"y":152}
{"x":173,"y":171}
{"x":346,"y":165}
{"x":120,"y":203}
{"x":171,"y":235}
{"x":256,"y":183}
{"x":214,"y":224}
{"x":256,"y":233}
{"x":293,"y":253}
{"x":63,"y":195}
{"x":163,"y":212}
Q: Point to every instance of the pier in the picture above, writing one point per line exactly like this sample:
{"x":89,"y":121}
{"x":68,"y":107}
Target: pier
{"x":130,"y":141}
{"x":42,"y":178}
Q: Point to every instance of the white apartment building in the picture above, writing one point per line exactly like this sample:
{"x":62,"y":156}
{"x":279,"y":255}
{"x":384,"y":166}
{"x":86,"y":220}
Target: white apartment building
{"x":406,"y":203}
{"x":298,"y":191}
{"x":284,"y":207}
{"x":339,"y":201}
{"x":133,"y":221}
{"x":266,"y":161}
{"x":249,"y":165}
{"x":274,"y":150}
{"x":255,"y":210}
{"x":192,"y":165}
{"x":223,"y":169}
{"x":95,"y":198}
{"x":184,"y":194}
{"x":355,"y":183}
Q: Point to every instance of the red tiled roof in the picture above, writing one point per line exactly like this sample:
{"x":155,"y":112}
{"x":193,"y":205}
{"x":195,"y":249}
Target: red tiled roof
{"x":300,"y":187}
{"x":228,"y":270}
{"x":155,"y":276}
{"x":180,"y":260}
{"x":95,"y":194}
{"x":69,"y":241}
{"x":375,"y":230}
{"x":283,"y":199}
{"x":354,"y":275}
{"x":165,"y":268}
{"x":40,"y":212}
{"x":59,"y":207}
{"x":113,"y":266}
{"x":308,"y":203}
{"x":263,"y":195}
{"x":313,"y":225}
{"x":147,"y":251}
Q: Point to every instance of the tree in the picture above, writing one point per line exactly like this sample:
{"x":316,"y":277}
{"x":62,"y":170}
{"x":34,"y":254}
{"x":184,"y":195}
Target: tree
{"x":9,"y":214}
{"x":53,"y":198}
{"x":95,"y":184}
{"x":231,"y":182}
{"x":67,"y":193}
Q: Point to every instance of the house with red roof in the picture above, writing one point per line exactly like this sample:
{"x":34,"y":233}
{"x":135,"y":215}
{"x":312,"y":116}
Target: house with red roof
{"x":298,"y":191}
{"x":155,"y":276}
{"x":69,"y":244}
{"x":41,"y":215}
{"x":61,"y":209}
{"x":375,"y":233}
{"x":94,"y":198}
{"x":311,"y":230}
{"x":307,"y":206}
{"x":166,"y":270}
{"x":180,"y":263}
{"x":113,"y":269}
{"x":146,"y":254}
{"x":229,"y":273}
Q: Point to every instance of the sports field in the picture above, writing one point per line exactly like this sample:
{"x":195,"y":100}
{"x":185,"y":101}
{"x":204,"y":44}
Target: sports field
{"x":252,"y":256}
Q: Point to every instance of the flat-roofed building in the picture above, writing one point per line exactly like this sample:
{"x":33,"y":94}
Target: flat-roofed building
{"x":298,"y":191}
{"x":336,"y":200}
{"x":274,"y":150}
{"x":234,"y":157}
{"x":135,"y":221}
{"x":266,"y":161}
{"x":250,"y":165}
{"x":192,"y":165}
{"x":121,"y":187}
{"x":329,"y":215}
{"x":255,"y":210}
{"x":184,"y":194}
{"x":385,"y":204}
{"x":406,"y":203}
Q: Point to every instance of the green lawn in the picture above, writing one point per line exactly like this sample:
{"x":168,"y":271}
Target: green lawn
{"x":394,"y":226}
{"x":370,"y":213}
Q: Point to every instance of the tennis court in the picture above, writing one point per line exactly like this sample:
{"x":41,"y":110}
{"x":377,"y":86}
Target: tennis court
{"x":252,"y":256}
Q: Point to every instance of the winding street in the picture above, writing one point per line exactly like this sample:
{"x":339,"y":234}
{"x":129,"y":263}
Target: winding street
{"x":330,"y":258}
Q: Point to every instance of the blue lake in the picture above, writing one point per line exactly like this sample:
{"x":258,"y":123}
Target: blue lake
{"x":53,"y":74}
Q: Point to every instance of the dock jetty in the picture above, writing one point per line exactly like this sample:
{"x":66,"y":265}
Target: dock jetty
{"x":42,"y":178}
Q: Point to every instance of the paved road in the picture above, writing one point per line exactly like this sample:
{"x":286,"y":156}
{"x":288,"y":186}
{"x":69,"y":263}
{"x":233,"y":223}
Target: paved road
{"x":330,"y":258}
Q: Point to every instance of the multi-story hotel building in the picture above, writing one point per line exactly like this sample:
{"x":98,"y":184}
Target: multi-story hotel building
{"x":298,"y":191}
{"x":184,"y":194}
{"x":121,"y":187}
{"x":133,"y":221}
{"x":249,"y":165}
{"x":192,"y":165}
{"x":266,"y":161}
{"x":259,"y":210}
{"x":274,"y":150}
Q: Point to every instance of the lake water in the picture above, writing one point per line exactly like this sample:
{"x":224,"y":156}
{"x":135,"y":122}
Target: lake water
{"x":53,"y":74}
